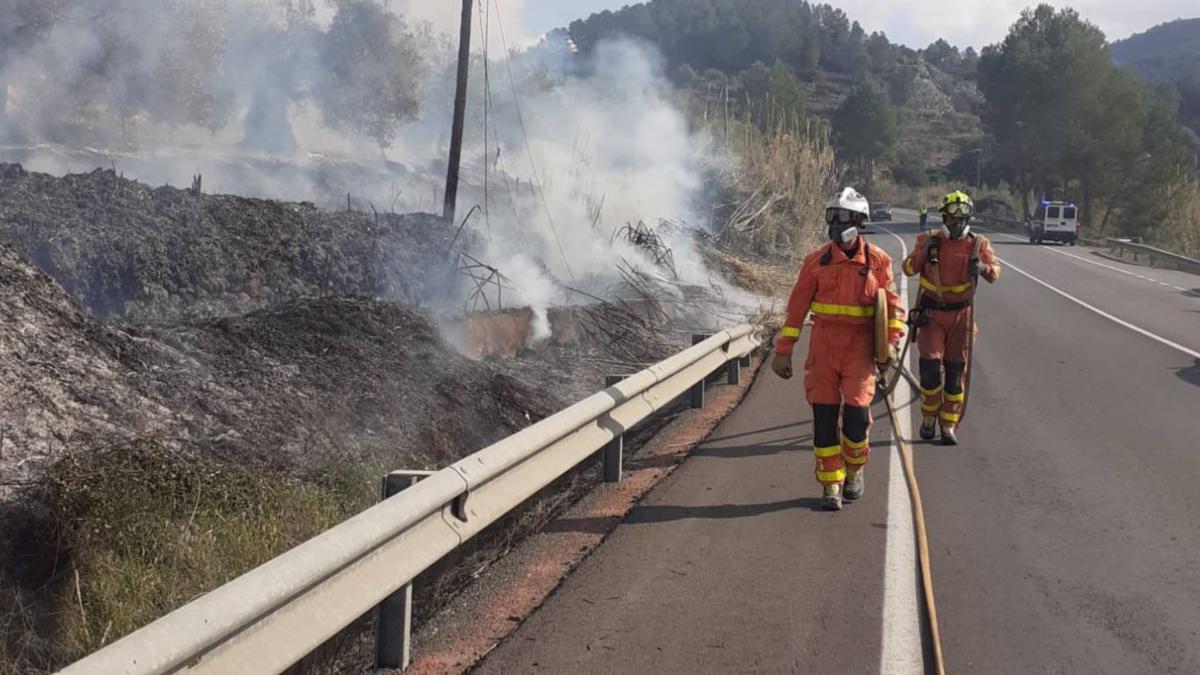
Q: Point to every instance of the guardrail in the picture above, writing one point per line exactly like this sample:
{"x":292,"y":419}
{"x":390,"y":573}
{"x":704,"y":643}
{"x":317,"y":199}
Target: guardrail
{"x":1022,"y":228}
{"x":271,"y":617}
{"x":1155,"y":257}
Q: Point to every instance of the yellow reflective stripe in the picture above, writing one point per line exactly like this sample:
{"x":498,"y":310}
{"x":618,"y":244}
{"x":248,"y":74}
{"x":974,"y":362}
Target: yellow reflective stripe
{"x":931,"y":392}
{"x":827,"y":452}
{"x":842,"y":310}
{"x":857,"y":445}
{"x":930,"y":286}
{"x":856,"y":460}
{"x":996,"y":275}
{"x":832,"y":476}
{"x":949,"y":417}
{"x":930,"y":407}
{"x":908,"y":270}
{"x":897,"y":323}
{"x":790,"y":332}
{"x":954,"y":397}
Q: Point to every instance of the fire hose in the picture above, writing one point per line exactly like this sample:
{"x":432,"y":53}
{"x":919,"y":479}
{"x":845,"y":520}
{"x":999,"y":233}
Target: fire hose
{"x":914,"y":492}
{"x":896,"y":363}
{"x":887,"y":361}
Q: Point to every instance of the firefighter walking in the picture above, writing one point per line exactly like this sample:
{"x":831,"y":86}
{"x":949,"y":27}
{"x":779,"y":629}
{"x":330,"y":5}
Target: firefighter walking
{"x":839,"y":284}
{"x":949,"y":261}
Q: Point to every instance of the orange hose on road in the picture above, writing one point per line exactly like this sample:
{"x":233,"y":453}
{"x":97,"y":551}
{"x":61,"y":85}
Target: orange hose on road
{"x":914,"y":492}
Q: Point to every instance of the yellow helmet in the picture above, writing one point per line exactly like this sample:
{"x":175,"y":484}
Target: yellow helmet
{"x":958,"y":203}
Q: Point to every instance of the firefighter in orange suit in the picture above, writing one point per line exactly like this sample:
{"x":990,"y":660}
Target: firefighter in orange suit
{"x":948,"y":261}
{"x":838,"y":284}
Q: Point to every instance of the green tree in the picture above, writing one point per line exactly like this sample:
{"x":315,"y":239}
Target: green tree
{"x":775,"y":94}
{"x":1067,"y":122}
{"x":865,"y":128}
{"x":1043,"y":91}
{"x":371,"y":71}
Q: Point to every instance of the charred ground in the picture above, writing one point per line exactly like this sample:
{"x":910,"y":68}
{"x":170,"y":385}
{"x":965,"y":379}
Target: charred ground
{"x":192,"y":384}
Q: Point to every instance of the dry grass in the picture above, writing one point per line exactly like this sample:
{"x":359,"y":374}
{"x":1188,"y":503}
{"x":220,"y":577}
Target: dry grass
{"x":773,"y":195}
{"x":769,"y":281}
{"x":1180,"y":232}
{"x":139,"y":531}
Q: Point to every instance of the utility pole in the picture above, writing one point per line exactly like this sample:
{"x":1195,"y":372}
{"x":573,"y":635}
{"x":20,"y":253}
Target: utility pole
{"x":460,"y":113}
{"x":978,"y":152}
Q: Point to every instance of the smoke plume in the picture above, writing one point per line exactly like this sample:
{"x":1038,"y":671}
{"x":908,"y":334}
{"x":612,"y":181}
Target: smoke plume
{"x":310,"y":101}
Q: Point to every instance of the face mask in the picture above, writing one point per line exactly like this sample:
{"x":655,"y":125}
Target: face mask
{"x":957,"y":230}
{"x":842,"y":234}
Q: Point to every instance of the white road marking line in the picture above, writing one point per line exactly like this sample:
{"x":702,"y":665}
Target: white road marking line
{"x":902,"y":652}
{"x":1092,"y":262}
{"x":1180,"y":288}
{"x":1158,"y":338}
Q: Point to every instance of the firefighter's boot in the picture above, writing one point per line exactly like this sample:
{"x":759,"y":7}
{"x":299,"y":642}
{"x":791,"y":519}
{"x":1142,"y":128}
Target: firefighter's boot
{"x":948,"y":436}
{"x":832,"y":499}
{"x":855,"y":485}
{"x":928,"y":428}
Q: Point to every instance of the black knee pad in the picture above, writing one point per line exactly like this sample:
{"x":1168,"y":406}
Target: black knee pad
{"x":825,"y":425}
{"x":954,"y":373}
{"x":855,"y":423}
{"x":931,"y":373}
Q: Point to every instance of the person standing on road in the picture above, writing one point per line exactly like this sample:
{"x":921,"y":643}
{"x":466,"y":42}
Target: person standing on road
{"x":839,"y":283}
{"x":924,"y":215}
{"x":949,"y":261}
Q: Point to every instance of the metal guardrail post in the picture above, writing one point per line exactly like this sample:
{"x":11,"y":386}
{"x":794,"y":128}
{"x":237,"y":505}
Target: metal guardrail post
{"x":393,"y":617}
{"x":271,"y":617}
{"x":698,"y":388}
{"x":614,"y":451}
{"x":734,"y":370}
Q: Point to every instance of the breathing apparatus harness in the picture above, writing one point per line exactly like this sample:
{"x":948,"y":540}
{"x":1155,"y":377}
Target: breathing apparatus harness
{"x":918,"y":318}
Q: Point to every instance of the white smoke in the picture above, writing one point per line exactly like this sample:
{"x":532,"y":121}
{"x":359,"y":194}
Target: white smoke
{"x":576,"y":148}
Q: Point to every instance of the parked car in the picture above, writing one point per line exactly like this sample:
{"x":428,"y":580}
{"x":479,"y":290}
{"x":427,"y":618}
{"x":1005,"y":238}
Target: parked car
{"x":881,"y":211}
{"x":1054,"y":221}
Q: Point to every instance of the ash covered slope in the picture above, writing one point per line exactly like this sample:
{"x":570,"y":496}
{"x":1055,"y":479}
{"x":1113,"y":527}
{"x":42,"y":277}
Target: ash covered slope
{"x":293,"y":388}
{"x":64,"y":378}
{"x":122,"y":248}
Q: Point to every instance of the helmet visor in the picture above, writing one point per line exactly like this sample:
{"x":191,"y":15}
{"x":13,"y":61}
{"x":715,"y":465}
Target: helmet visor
{"x":841,"y":216}
{"x":960,"y":209}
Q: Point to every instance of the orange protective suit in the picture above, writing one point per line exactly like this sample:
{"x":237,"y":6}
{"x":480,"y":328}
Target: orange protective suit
{"x":840,"y":292}
{"x":945,"y":298}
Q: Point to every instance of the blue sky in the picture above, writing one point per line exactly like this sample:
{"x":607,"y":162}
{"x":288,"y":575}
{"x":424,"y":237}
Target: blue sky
{"x":913,"y":22}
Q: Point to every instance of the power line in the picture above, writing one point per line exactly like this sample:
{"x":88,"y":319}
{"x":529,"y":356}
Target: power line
{"x":528,"y":148}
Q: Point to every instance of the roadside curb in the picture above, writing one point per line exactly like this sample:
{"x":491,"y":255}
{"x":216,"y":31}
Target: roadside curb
{"x":466,"y":631}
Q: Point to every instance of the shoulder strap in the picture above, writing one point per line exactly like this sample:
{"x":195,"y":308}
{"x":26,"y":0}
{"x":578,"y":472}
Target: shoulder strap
{"x":827,"y":256}
{"x":867,"y":258}
{"x":978,"y":246}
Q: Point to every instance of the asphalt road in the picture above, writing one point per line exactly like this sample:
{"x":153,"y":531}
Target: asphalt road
{"x":1065,"y":530}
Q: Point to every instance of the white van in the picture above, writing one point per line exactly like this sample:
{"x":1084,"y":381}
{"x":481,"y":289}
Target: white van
{"x":1054,"y":221}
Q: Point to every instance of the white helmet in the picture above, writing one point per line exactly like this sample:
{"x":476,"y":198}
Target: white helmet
{"x":851,"y":200}
{"x":844,"y":212}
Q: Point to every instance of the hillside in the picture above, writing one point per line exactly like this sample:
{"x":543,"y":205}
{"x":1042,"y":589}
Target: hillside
{"x":770,"y":59}
{"x":1168,"y":54}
